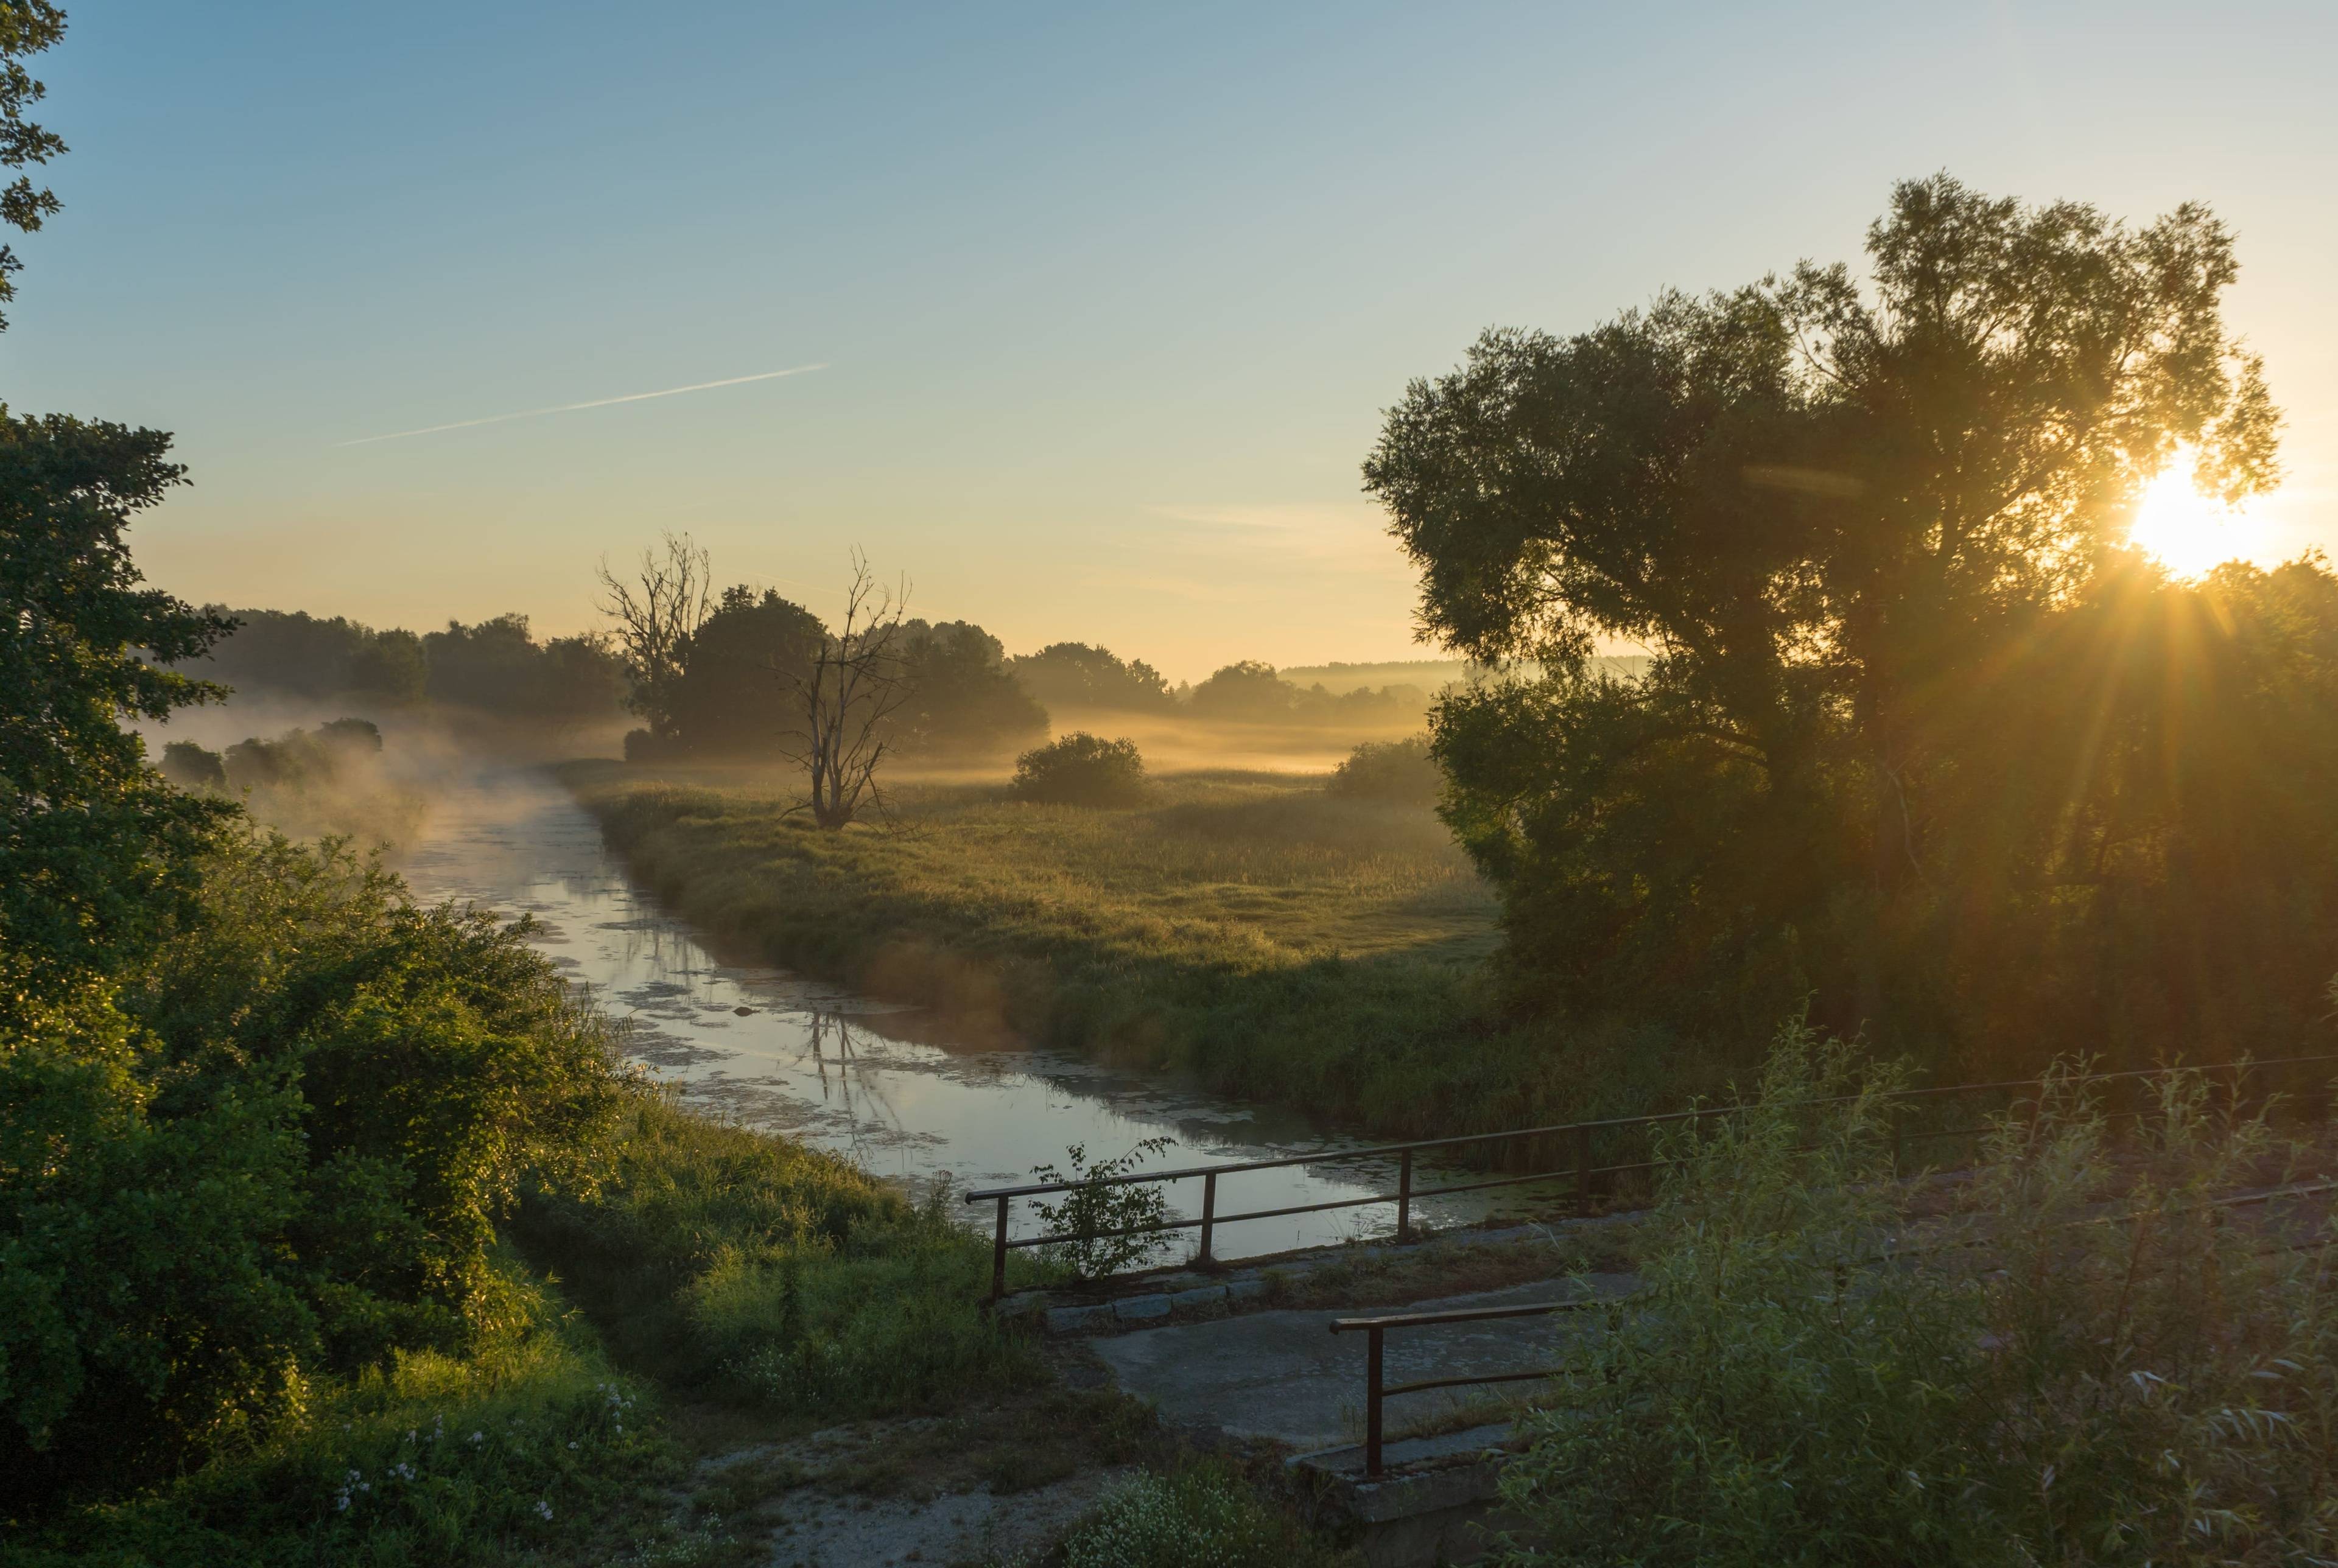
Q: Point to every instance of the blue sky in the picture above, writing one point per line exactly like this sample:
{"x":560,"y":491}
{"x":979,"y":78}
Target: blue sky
{"x":1109,"y":299}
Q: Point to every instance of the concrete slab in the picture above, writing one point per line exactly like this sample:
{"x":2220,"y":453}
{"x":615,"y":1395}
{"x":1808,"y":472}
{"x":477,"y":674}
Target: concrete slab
{"x":1287,"y":1378}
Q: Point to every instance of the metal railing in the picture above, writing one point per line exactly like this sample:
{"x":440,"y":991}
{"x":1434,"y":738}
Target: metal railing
{"x":1378,"y":1389}
{"x":1585,"y":1177}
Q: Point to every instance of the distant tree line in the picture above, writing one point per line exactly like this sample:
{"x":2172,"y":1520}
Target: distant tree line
{"x":722,"y":675}
{"x":494,"y":667}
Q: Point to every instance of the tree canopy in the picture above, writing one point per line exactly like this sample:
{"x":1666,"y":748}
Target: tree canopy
{"x":1872,"y":533}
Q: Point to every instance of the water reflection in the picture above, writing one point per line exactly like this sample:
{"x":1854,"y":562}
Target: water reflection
{"x":775,"y":1051}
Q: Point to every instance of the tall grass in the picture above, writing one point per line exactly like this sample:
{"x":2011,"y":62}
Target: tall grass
{"x":745,"y":1266}
{"x":2097,"y":1357}
{"x":1269,"y":939}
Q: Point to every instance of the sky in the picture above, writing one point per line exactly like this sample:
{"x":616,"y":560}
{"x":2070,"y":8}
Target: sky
{"x":1092,"y":310}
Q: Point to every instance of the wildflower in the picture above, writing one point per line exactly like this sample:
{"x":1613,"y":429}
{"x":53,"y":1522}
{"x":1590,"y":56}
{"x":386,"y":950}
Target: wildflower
{"x":478,"y":1437}
{"x":543,"y":1509}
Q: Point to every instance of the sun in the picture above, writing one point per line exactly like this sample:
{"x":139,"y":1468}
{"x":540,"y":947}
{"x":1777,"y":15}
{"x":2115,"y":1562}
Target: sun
{"x":2184,"y":530}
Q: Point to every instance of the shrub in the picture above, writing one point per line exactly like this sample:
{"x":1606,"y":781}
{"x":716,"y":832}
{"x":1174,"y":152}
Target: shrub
{"x":1204,"y":1517}
{"x":2084,"y":1363}
{"x":279,"y":1150}
{"x":1396,"y":770}
{"x":521,"y":1451}
{"x":1080,"y":769}
{"x":1100,"y":1205}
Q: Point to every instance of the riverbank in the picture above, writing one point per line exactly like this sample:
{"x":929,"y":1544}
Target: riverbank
{"x":1244,"y":928}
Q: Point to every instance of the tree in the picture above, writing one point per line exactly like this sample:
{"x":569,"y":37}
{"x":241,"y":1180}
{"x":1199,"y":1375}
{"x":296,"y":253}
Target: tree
{"x":1247,"y":690}
{"x":656,"y":614}
{"x":749,"y":650}
{"x":1831,"y":513}
{"x":1077,"y":675}
{"x":959,"y":694}
{"x":842,"y":706}
{"x":26,"y":27}
{"x":93,"y":843}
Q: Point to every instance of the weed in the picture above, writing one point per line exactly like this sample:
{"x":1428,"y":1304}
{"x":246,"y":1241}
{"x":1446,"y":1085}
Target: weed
{"x":1203,"y":1517}
{"x":1111,"y":1224}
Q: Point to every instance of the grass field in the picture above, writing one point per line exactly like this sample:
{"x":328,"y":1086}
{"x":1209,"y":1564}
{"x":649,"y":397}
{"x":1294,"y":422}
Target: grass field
{"x":1244,"y":927}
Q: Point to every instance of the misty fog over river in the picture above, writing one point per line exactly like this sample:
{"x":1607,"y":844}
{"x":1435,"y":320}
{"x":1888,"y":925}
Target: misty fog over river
{"x":865,"y":1079}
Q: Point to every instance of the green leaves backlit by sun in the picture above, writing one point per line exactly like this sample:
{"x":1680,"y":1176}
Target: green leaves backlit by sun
{"x":2186,"y":532}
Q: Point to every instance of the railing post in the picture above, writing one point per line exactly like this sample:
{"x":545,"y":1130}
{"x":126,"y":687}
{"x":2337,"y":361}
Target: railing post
{"x":1373,"y":1399}
{"x":1209,"y":1216}
{"x":1582,"y":1168}
{"x":1404,"y":1196}
{"x":998,"y":1257}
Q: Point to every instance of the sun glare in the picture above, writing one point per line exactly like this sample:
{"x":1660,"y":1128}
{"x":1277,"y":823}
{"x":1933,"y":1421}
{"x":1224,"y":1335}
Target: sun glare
{"x":2184,"y":530}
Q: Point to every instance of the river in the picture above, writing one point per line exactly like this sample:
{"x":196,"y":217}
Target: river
{"x":774,"y":1050}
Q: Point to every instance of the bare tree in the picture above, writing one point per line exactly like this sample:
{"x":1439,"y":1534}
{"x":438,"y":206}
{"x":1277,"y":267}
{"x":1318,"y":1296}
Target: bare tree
{"x":841,"y":704}
{"x":656,"y":614}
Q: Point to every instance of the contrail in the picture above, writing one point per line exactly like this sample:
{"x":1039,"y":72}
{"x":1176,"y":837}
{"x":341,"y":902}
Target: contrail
{"x":572,"y":407}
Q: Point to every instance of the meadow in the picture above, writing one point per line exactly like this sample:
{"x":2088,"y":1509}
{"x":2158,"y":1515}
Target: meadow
{"x":1243,"y":927}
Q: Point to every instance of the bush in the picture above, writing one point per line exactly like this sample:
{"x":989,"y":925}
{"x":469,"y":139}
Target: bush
{"x":281,"y":1150}
{"x":1080,"y":769}
{"x":1204,"y":1517}
{"x":1091,"y":1212}
{"x":526,"y":1450}
{"x":1396,"y":771}
{"x":2085,"y":1363}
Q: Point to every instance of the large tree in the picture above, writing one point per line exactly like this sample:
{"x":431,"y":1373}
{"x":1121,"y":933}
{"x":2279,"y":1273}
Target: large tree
{"x":738,"y":669}
{"x":1834,"y":511}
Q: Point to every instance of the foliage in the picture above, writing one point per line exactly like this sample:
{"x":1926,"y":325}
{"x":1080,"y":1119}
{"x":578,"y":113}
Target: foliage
{"x":1872,"y":538}
{"x":280,"y":1150}
{"x":737,"y":673}
{"x":1399,"y":770}
{"x":1080,"y":769}
{"x":1077,"y":675}
{"x":959,"y":694}
{"x":497,"y":667}
{"x":193,"y":767}
{"x":303,"y":655}
{"x":528,"y":1449}
{"x":1251,"y":691}
{"x":2090,"y":1361}
{"x":93,"y":843}
{"x":1203,"y":1517}
{"x":1100,"y":1205}
{"x":26,"y":27}
{"x":757,"y":1269}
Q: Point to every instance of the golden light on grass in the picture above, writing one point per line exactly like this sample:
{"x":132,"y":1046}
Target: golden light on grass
{"x":2186,"y":532}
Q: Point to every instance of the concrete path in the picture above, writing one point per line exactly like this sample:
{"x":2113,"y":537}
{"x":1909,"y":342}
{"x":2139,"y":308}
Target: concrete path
{"x":1286,"y":1377}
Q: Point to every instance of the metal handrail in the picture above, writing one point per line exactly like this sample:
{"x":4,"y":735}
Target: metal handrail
{"x":1375,"y":1331}
{"x":1578,"y":1133}
{"x":1377,"y":1389}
